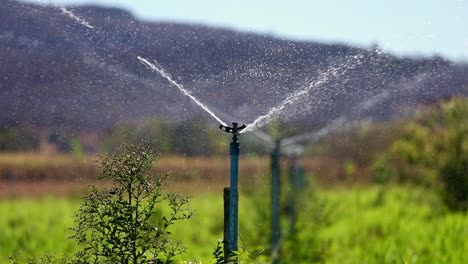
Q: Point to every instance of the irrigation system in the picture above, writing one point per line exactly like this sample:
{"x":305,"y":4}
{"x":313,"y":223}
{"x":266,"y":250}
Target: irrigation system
{"x":231,"y":207}
{"x":296,"y":172}
{"x":296,"y":177}
{"x":291,"y":146}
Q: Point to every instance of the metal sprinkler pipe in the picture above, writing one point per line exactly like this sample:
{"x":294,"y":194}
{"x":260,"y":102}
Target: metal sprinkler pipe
{"x":275,"y":201}
{"x":231,"y":230}
{"x":297,"y":182}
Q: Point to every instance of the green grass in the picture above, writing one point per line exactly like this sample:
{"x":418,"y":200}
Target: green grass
{"x":36,"y":227}
{"x":405,"y":225}
{"x":357,"y":225}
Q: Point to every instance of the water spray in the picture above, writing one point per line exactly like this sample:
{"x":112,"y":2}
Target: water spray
{"x":76,"y":18}
{"x":160,"y":70}
{"x":231,"y":209}
{"x":349,"y":63}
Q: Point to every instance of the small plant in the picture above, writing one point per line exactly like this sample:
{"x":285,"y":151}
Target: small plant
{"x":218,"y":254}
{"x":125,"y":223}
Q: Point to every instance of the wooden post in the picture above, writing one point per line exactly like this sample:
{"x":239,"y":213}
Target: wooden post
{"x":227,"y":253}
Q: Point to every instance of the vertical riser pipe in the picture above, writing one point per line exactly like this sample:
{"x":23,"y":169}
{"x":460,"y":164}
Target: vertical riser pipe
{"x":231,"y":231}
{"x":233,"y":198}
{"x":298,"y":184}
{"x":275,"y":203}
{"x":293,"y":180}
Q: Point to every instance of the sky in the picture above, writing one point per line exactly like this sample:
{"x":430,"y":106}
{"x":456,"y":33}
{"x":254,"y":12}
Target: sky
{"x":404,"y":27}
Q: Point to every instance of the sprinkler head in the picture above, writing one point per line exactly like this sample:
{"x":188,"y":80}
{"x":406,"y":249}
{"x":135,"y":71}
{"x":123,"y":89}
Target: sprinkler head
{"x":234,"y":130}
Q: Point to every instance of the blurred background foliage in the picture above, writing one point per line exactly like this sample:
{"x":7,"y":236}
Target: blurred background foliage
{"x":428,"y":149}
{"x":432,"y":150}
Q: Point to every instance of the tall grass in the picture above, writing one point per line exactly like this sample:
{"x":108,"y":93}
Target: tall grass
{"x":340,"y":225}
{"x":36,"y":227}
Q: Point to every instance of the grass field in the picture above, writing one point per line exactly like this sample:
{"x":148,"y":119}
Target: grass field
{"x":340,"y":225}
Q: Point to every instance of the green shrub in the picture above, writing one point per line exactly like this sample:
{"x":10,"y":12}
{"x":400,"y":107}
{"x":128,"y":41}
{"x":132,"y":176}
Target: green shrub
{"x":454,"y":169}
{"x":125,"y":223}
{"x":432,"y":150}
{"x":411,"y":158}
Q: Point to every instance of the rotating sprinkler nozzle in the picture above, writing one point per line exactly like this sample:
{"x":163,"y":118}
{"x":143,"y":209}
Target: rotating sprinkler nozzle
{"x":234,"y":130}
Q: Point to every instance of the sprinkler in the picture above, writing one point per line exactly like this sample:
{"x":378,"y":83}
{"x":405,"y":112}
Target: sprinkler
{"x":234,"y":130}
{"x":231,"y":208}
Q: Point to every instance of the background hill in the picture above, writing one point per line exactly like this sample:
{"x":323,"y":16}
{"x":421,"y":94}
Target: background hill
{"x":56,"y":72}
